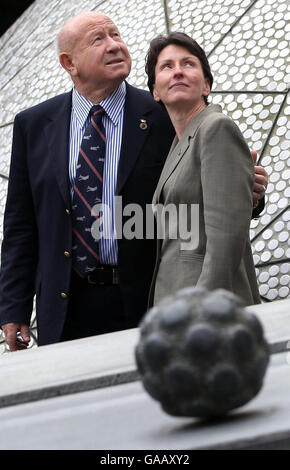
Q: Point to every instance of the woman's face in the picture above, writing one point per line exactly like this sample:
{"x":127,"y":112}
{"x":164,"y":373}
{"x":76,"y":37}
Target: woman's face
{"x":179,"y":78}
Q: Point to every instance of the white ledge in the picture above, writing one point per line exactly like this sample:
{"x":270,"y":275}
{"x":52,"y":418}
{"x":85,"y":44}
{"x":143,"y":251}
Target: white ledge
{"x":102,"y":361}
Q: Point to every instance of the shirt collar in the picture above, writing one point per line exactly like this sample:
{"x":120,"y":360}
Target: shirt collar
{"x":112,"y":104}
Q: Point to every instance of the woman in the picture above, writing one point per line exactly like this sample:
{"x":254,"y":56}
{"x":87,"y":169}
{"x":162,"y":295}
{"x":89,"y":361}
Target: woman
{"x":208,"y":161}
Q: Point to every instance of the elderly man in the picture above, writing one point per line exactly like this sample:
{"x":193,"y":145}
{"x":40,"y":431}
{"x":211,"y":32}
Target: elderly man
{"x":104,"y":138}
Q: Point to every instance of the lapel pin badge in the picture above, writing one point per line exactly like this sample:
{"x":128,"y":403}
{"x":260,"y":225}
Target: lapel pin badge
{"x":143,"y":124}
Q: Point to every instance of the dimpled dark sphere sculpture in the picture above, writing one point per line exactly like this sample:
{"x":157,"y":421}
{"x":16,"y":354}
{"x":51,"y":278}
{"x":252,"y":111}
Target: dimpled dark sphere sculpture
{"x":201,"y":354}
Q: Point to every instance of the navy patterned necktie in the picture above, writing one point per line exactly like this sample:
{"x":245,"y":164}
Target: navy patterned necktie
{"x":87,"y":193}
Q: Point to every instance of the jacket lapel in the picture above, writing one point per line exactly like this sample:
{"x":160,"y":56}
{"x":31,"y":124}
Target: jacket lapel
{"x":57,"y":133}
{"x":136,"y":128}
{"x":179,"y":148}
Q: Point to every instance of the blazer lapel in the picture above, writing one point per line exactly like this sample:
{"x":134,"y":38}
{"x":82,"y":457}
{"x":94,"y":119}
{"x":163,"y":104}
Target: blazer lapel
{"x":57,"y":133}
{"x":136,"y":128}
{"x":179,"y":148}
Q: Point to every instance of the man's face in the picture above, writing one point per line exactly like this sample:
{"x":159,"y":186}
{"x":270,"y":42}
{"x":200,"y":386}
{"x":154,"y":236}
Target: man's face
{"x":101,"y":58}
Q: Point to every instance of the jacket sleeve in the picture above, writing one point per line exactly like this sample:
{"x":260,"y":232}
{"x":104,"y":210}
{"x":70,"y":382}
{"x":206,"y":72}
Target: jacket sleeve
{"x":19,"y":246}
{"x":227,"y":178}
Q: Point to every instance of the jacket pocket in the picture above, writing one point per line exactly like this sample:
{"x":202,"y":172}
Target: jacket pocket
{"x":191,"y":255}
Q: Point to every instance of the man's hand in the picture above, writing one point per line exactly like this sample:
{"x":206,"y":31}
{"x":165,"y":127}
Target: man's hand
{"x":14,"y":341}
{"x":261,"y":180}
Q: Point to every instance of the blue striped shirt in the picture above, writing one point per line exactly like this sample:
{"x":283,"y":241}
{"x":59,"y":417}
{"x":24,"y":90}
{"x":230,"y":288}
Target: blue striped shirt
{"x":113,"y":123}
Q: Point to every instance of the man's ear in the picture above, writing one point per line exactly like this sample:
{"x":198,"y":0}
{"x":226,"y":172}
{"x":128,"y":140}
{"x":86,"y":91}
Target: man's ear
{"x":155,"y":94}
{"x":67,"y":63}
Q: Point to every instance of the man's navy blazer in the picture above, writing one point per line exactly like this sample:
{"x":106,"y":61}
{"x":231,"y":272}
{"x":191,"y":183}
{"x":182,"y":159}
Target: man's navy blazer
{"x":38,"y":225}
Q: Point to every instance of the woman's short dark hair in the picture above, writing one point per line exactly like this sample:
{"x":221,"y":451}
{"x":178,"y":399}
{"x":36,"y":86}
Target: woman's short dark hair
{"x":179,"y":39}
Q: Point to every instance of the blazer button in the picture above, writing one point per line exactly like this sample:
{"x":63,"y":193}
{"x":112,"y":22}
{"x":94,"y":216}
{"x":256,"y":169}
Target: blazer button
{"x":64,"y":295}
{"x":67,"y":211}
{"x":67,"y":254}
